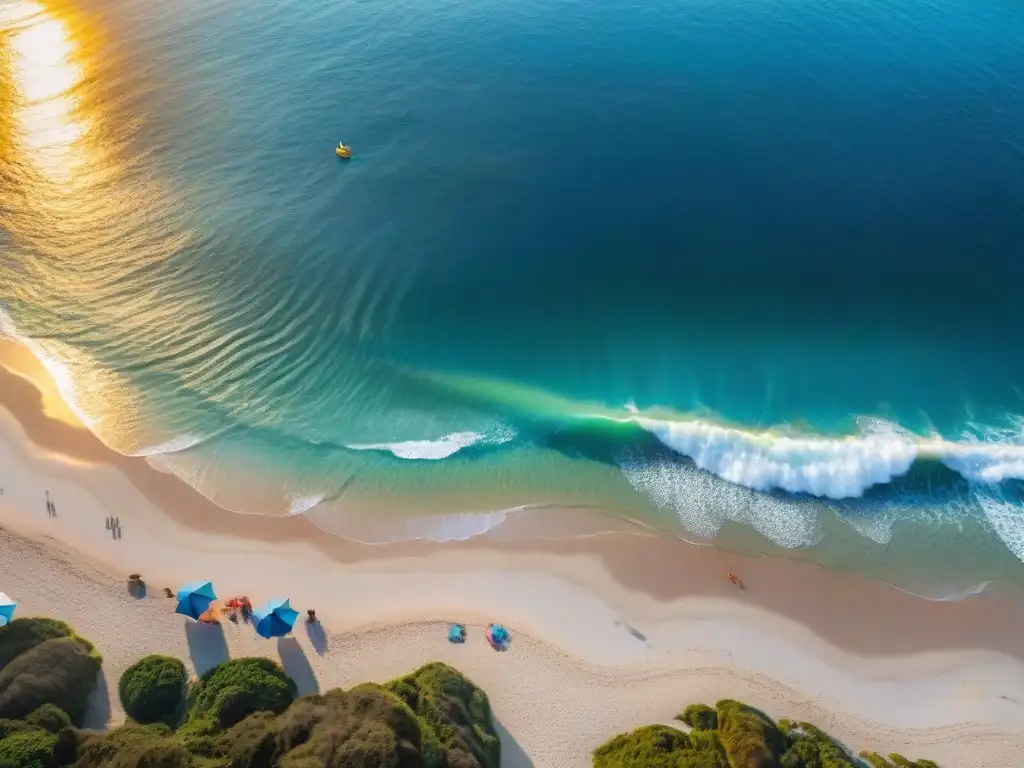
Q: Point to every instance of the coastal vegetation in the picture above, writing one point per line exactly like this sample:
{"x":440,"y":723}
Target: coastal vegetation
{"x":44,"y":662}
{"x":241,"y":714}
{"x":734,"y":735}
{"x":153,"y":690}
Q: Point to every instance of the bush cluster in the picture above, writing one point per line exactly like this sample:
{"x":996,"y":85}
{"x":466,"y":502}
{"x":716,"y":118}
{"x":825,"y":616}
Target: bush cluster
{"x":133,"y":746}
{"x":60,"y":671}
{"x":454,"y":713}
{"x":44,"y":739}
{"x":153,"y":690}
{"x":735,"y":735}
{"x":659,"y":746}
{"x":240,"y":714}
{"x":232,"y":691}
{"x":46,"y":676}
{"x":700,"y":716}
{"x":24,"y":634}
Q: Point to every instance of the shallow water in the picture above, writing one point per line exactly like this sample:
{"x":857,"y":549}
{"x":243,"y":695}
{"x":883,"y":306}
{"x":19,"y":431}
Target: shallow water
{"x":743,"y":272}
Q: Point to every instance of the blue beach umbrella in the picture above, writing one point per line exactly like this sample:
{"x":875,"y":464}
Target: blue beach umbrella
{"x":7,"y":607}
{"x":194,"y":598}
{"x":275,"y":618}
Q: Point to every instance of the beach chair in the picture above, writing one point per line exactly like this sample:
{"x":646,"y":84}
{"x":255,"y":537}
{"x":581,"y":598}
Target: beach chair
{"x":498,"y":637}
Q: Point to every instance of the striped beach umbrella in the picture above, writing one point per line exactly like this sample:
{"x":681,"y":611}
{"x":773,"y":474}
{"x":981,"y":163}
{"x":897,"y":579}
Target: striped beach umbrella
{"x":194,"y":598}
{"x":7,"y":607}
{"x":275,"y":618}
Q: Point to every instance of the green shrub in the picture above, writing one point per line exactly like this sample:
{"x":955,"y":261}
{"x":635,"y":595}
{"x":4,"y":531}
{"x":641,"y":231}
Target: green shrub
{"x":28,"y":749}
{"x":659,"y":746}
{"x":7,"y":727}
{"x":810,"y":747}
{"x":367,"y":726}
{"x":750,"y":738}
{"x":700,"y":716}
{"x":61,"y":672}
{"x":231,"y":691}
{"x":455,"y":715}
{"x":744,"y":738}
{"x":153,"y":690}
{"x":49,"y":717}
{"x":24,"y":634}
{"x":876,"y":760}
{"x":134,"y":746}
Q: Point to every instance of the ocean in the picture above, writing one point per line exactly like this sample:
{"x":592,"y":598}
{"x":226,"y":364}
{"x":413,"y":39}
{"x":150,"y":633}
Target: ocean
{"x":745,"y":273}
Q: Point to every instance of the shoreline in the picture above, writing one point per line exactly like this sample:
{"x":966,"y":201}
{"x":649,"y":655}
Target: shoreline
{"x":634,"y":626}
{"x":650,"y":567}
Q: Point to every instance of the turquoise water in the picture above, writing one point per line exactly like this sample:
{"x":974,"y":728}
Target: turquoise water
{"x":741,"y":271}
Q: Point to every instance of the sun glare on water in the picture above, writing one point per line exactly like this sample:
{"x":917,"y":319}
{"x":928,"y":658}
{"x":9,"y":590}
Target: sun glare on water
{"x":41,"y":56}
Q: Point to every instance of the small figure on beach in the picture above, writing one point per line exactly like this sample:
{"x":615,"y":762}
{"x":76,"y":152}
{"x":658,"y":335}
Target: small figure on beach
{"x":736,"y":580}
{"x":136,"y":586}
{"x":238,"y":606}
{"x":108,"y":522}
{"x":311,"y":616}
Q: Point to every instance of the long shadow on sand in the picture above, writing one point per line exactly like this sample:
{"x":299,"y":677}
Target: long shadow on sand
{"x":296,"y":665}
{"x":317,"y":636}
{"x":97,"y":715}
{"x":207,"y":645}
{"x":512,"y":755}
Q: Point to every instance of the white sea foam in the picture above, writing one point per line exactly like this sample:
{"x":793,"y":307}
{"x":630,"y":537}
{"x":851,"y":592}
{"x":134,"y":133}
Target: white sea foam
{"x":986,"y":454}
{"x":176,"y":444}
{"x":837,"y":468}
{"x":1006,"y":518}
{"x":58,"y":370}
{"x":299,"y":504}
{"x":452,"y":526}
{"x":438,"y":448}
{"x":704,"y":502}
{"x":950,"y":597}
{"x":876,"y":526}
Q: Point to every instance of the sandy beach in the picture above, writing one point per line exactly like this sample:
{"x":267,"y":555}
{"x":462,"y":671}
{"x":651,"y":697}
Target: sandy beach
{"x":609,"y":631}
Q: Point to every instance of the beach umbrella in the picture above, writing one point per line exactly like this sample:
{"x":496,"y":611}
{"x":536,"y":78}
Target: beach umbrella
{"x":7,"y":607}
{"x":275,"y":618}
{"x":194,"y":598}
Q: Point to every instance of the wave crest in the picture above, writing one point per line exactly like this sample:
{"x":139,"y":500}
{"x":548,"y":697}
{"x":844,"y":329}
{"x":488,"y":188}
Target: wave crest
{"x":836,"y":468}
{"x":987,"y":454}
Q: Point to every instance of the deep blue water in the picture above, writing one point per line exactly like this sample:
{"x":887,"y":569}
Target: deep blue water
{"x":799,"y":217}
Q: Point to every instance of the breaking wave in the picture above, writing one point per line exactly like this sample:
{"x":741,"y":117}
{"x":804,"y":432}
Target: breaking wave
{"x":835,"y":468}
{"x":439,"y":448}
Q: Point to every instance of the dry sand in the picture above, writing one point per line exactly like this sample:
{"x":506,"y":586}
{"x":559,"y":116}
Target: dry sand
{"x":609,"y":632}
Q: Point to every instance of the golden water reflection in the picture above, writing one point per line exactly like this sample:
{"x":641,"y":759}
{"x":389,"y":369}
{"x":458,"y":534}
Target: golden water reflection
{"x":77,"y":221}
{"x":43,"y":59}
